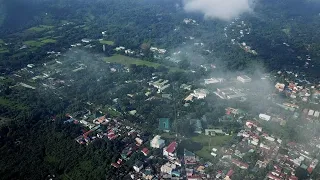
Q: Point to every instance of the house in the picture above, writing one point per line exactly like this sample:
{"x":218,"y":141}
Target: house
{"x":273,"y":177}
{"x":115,"y":165}
{"x":240,"y":164}
{"x":229,"y":174}
{"x":167,"y":168}
{"x":170,"y":150}
{"x":145,"y":151}
{"x":120,"y":48}
{"x":138,"y":166}
{"x":189,"y":157}
{"x":85,"y":40}
{"x":189,"y":97}
{"x":157,"y":142}
{"x":313,"y":164}
{"x":148,"y":173}
{"x":164,"y":124}
{"x":280,"y":87}
{"x":244,"y":79}
{"x":138,"y":141}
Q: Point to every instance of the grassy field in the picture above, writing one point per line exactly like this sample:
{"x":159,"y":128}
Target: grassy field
{"x":125,"y":60}
{"x":49,"y":41}
{"x":11,"y":104}
{"x":216,"y":141}
{"x":3,"y":50}
{"x":40,"y":28}
{"x":286,"y":31}
{"x":4,"y":120}
{"x":111,"y":43}
{"x":1,"y":41}
{"x":39,"y":42}
{"x":33,"y":43}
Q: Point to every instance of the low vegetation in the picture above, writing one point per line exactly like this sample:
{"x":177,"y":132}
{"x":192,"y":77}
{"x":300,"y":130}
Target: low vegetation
{"x":110,"y":43}
{"x":40,"y":28}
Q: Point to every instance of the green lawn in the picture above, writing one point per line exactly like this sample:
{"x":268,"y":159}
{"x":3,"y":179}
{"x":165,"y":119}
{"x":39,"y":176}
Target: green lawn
{"x":213,"y":141}
{"x":49,"y":41}
{"x":33,"y":43}
{"x":125,"y":60}
{"x":40,"y":28}
{"x":1,"y":41}
{"x":286,"y":31}
{"x":40,"y":42}
{"x":11,"y":104}
{"x":3,"y":50}
{"x":111,"y":43}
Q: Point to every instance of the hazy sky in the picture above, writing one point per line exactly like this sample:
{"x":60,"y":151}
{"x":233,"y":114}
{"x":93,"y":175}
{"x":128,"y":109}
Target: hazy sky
{"x":219,"y":9}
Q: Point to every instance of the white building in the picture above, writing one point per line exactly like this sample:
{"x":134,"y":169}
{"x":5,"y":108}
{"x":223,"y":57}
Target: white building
{"x":264,"y":117}
{"x":244,"y":79}
{"x":200,"y":93}
{"x":138,"y":166}
{"x":213,"y":80}
{"x":157,"y":142}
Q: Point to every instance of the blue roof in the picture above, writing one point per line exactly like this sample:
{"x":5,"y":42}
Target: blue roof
{"x":164,"y":124}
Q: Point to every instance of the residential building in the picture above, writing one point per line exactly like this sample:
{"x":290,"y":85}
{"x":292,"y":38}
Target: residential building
{"x":138,"y":166}
{"x":189,"y":157}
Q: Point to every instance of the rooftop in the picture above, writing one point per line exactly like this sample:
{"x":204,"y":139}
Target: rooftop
{"x":172,"y":147}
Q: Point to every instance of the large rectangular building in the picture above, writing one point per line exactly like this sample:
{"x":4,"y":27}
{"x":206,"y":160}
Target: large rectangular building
{"x":244,"y":79}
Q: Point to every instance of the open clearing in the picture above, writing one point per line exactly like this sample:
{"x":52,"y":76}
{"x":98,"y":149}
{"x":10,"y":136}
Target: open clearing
{"x":3,"y":50}
{"x":111,"y":43}
{"x":11,"y":104}
{"x":125,"y":60}
{"x":40,"y":42}
{"x":208,"y":143}
{"x":40,"y":28}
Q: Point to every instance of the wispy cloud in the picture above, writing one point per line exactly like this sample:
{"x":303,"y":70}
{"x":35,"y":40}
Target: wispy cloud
{"x":219,"y":9}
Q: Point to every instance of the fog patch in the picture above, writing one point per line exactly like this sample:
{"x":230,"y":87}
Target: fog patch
{"x":219,"y":9}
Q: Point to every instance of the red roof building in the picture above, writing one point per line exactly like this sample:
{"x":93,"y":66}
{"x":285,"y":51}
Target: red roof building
{"x":270,"y":176}
{"x":115,"y":165}
{"x":230,"y":173}
{"x":145,"y":151}
{"x":240,"y":164}
{"x":170,"y":150}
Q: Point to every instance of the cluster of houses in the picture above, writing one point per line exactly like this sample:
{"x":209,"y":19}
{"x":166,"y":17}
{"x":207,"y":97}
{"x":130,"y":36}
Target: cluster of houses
{"x":255,"y":140}
{"x":157,"y":50}
{"x":188,"y":166}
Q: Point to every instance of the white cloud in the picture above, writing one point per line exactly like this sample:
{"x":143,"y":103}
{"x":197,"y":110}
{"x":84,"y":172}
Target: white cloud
{"x":219,"y":9}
